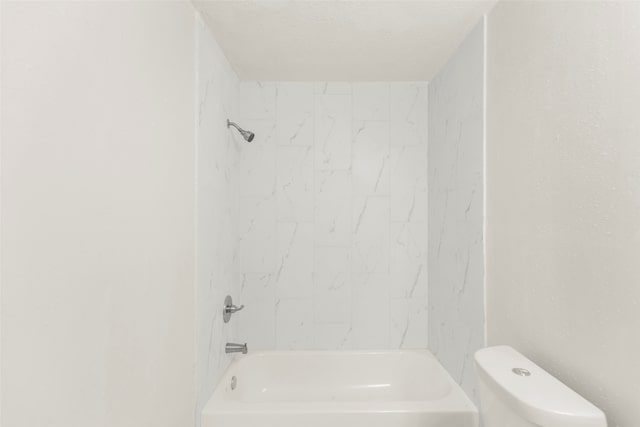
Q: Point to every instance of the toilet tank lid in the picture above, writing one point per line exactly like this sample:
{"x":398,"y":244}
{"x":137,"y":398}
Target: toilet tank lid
{"x":533,"y":393}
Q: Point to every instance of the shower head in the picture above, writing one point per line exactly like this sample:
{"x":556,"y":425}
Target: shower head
{"x":247,"y":135}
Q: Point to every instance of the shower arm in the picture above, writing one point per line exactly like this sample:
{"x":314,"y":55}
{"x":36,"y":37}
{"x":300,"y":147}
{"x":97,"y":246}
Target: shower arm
{"x":230,"y":123}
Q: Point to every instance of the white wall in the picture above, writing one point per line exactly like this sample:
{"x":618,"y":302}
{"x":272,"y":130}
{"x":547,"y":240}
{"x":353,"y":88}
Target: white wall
{"x":563,"y":201}
{"x":97,"y":214}
{"x":332,"y":219}
{"x":456,"y":259}
{"x":217,"y":153}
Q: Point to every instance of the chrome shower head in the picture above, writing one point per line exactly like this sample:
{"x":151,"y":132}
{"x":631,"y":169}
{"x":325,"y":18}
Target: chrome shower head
{"x":247,"y":135}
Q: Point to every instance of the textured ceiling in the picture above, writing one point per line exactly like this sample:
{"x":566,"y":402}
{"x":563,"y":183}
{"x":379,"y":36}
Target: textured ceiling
{"x":340,"y":40}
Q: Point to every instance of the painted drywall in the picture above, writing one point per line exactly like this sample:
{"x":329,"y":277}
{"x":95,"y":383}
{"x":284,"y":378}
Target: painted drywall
{"x":456,"y":258}
{"x":563,"y":194}
{"x":217,"y":163}
{"x":332,"y":216}
{"x":97,"y":214}
{"x":400,"y":40}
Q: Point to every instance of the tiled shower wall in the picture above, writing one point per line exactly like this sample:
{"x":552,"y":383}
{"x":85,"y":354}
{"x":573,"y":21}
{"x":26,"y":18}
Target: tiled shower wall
{"x":332,"y":222}
{"x":456,"y":260}
{"x":216,"y":210}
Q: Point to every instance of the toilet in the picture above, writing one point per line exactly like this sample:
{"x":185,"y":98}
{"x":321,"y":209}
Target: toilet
{"x":515,"y":392}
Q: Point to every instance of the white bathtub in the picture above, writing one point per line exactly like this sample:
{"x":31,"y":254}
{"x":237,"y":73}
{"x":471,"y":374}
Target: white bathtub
{"x":338,"y":389}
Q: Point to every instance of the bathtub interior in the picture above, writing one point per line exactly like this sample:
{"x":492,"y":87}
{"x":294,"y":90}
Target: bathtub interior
{"x":402,"y":376}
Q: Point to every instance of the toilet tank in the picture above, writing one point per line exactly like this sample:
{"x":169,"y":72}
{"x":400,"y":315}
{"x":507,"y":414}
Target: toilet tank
{"x":515,"y":392}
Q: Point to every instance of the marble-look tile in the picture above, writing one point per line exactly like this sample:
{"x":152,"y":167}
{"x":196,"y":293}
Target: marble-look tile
{"x":257,"y":161}
{"x":332,"y":285}
{"x":370,"y":159}
{"x":408,"y":181}
{"x":333,"y":88}
{"x":216,"y":212}
{"x":295,"y":113}
{"x":371,"y":319}
{"x":370,"y":246}
{"x":294,"y":324}
{"x":256,"y":235}
{"x":254,"y":286}
{"x":333,"y":207}
{"x":333,"y":336}
{"x":408,"y":113}
{"x":332,"y":301}
{"x":409,"y":323}
{"x":333,"y":132}
{"x":370,"y":101}
{"x":409,"y":259}
{"x":256,"y":323}
{"x":455,"y":266}
{"x":331,"y":215}
{"x":295,"y":184}
{"x":370,"y":285}
{"x":294,"y":273}
{"x":332,"y":260}
{"x":371,"y":324}
{"x":257,"y":101}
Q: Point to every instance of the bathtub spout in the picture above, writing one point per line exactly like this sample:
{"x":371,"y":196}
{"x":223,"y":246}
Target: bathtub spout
{"x":235,"y":348}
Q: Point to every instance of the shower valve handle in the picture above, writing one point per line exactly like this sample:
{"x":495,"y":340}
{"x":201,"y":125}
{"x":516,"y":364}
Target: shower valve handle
{"x":229,"y":309}
{"x":232,"y":308}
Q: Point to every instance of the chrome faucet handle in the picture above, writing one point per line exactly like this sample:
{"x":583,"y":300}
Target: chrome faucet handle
{"x":232,"y":308}
{"x":229,"y":309}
